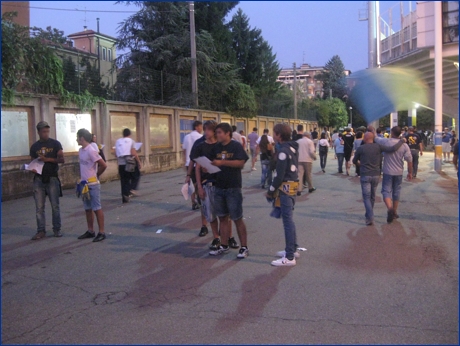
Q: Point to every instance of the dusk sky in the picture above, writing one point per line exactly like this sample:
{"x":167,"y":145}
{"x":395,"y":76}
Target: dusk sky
{"x":298,"y":31}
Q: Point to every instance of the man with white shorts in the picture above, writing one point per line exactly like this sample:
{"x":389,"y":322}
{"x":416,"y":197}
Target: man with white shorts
{"x":446,"y":147}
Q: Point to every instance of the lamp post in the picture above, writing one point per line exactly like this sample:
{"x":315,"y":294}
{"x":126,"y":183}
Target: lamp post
{"x":351,"y":117}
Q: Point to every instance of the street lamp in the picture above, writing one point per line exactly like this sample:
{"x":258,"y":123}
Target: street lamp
{"x":351,"y":117}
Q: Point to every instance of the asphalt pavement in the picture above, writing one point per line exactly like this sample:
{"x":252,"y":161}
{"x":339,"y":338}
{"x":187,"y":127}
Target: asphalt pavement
{"x":152,"y":281}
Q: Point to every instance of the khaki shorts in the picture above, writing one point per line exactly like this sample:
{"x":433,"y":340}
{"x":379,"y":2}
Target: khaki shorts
{"x":446,"y":147}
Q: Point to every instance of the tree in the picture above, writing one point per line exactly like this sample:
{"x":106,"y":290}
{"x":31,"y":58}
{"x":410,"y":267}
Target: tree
{"x":158,"y":66}
{"x":29,"y":66}
{"x":338,"y":115}
{"x":333,"y":78}
{"x":257,"y":63}
{"x":242,"y":101}
{"x":50,"y":34}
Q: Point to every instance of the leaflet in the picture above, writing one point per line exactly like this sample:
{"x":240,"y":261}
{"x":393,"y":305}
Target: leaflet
{"x":204,"y":162}
{"x":35,"y":164}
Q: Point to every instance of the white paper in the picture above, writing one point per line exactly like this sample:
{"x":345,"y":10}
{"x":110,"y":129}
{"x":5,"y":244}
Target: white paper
{"x":137,"y":146}
{"x":35,"y":164}
{"x":204,"y":162}
{"x":184,"y":191}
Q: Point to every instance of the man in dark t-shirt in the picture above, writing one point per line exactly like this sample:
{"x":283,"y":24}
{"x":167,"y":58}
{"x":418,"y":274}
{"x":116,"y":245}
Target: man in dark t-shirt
{"x":414,"y":142}
{"x":50,"y":152}
{"x":230,"y":157}
{"x":348,"y":140}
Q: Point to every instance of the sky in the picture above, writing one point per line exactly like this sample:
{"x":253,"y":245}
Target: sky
{"x":299,"y":31}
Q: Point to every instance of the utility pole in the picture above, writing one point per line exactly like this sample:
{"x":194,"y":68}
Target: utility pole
{"x":295,"y":93}
{"x":98,"y":50}
{"x":438,"y":86}
{"x":193,"y":53}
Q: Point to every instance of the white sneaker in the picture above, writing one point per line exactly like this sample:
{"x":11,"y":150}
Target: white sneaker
{"x":254,"y":169}
{"x":283,"y":262}
{"x":219,"y":251}
{"x":283,"y":254}
{"x":244,"y":252}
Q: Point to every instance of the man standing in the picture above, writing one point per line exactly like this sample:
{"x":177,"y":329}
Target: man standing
{"x":416,"y":148}
{"x":369,"y":156}
{"x":284,"y":187}
{"x":127,"y":155}
{"x":348,"y":141}
{"x":314,"y":136}
{"x":252,"y":138}
{"x":393,"y":168}
{"x":299,"y":132}
{"x":91,"y":167}
{"x":50,"y":152}
{"x":187,"y":146}
{"x":446,"y":148}
{"x":306,"y":156}
{"x":230,"y":157}
{"x":236,"y":136}
{"x":338,"y":146}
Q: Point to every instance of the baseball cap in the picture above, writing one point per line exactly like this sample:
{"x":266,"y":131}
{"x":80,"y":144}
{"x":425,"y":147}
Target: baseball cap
{"x":42,"y":124}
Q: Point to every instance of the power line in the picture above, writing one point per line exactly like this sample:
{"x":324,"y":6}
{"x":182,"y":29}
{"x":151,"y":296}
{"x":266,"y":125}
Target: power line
{"x":76,"y":9}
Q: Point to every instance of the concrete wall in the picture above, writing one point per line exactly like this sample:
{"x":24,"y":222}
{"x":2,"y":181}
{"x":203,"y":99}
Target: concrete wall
{"x":154,"y":156}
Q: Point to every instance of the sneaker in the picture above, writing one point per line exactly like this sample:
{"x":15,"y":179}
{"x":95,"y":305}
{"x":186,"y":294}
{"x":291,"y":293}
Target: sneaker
{"x":390,"y":216}
{"x":203,"y":231}
{"x":312,"y":190}
{"x":100,"y":237}
{"x":323,"y":171}
{"x":215,"y":244}
{"x":125,"y":199}
{"x":283,"y":254}
{"x":254,"y":169}
{"x":87,"y":234}
{"x":220,"y":251}
{"x":39,"y":235}
{"x":57,"y":234}
{"x":134,"y":193}
{"x":284,"y":262}
{"x":244,"y":252}
{"x":369,"y":222}
{"x":232,"y":243}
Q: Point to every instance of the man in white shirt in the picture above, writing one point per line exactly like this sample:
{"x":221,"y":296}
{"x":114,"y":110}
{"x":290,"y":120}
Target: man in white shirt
{"x":91,"y":167}
{"x":125,"y":150}
{"x":236,"y":136}
{"x":187,"y":145}
{"x":306,"y":157}
{"x":270,"y":138}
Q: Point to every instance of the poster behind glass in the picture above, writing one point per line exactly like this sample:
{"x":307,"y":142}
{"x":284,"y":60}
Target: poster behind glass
{"x":15,"y":134}
{"x":67,"y":125}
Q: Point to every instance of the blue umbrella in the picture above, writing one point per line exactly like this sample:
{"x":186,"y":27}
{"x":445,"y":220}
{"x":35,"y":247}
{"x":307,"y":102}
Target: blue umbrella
{"x":379,"y":91}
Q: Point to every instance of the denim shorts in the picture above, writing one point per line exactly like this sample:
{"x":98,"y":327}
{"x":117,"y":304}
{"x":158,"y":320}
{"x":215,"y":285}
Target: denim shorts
{"x":228,"y":202}
{"x":95,"y":202}
{"x":391,"y":186}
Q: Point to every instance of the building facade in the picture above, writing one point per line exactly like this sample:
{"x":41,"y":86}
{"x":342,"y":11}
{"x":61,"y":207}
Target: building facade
{"x":21,"y":7}
{"x":306,"y":80}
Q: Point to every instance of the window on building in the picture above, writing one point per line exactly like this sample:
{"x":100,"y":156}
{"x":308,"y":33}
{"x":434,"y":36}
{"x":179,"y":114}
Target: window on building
{"x":109,"y":54}
{"x":104,"y":53}
{"x":450,"y":21}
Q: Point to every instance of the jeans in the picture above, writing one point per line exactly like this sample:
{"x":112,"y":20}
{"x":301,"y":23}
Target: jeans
{"x":340,"y":161}
{"x":265,"y":172}
{"x":368,"y":188}
{"x":128,"y":180}
{"x":322,"y":158}
{"x":415,"y":157}
{"x":287,"y":206}
{"x":305,"y":175}
{"x":391,"y":186}
{"x":53,"y":190}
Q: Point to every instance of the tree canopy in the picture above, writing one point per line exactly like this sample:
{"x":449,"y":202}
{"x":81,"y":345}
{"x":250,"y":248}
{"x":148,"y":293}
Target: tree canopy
{"x":333,"y":78}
